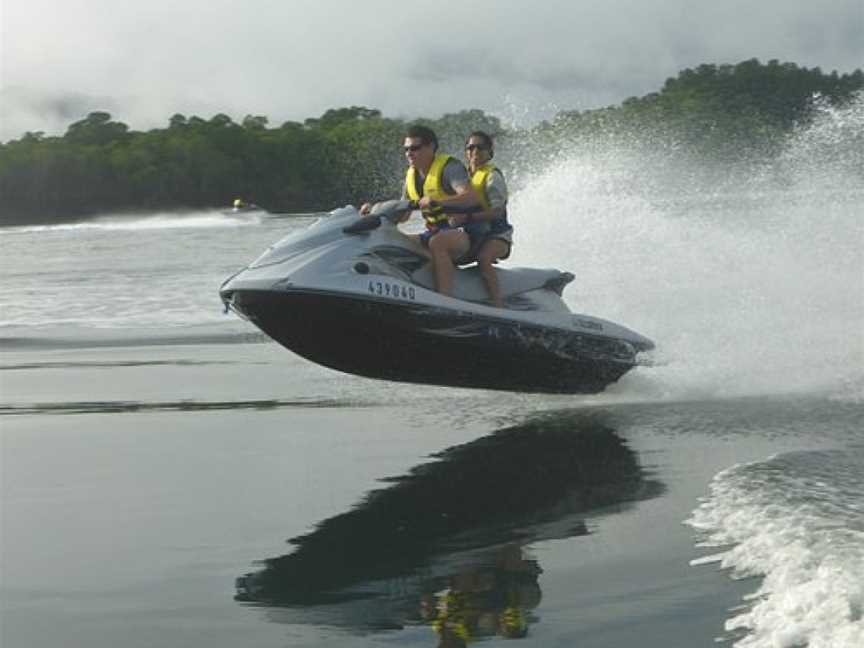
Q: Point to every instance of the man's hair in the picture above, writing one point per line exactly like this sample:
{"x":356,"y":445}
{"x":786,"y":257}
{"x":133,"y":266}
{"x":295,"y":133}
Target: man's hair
{"x":425,"y":134}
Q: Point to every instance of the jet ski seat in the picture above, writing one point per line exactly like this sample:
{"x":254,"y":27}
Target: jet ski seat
{"x":468,"y":283}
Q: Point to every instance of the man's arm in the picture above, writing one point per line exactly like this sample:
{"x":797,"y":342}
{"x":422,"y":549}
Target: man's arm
{"x":454,"y":177}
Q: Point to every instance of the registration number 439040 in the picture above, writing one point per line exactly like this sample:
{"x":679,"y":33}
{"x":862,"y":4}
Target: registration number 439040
{"x":395,"y":290}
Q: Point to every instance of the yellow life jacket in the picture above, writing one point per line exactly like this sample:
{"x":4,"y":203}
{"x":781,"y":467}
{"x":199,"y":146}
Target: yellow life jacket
{"x":432,"y":187}
{"x":478,"y":182}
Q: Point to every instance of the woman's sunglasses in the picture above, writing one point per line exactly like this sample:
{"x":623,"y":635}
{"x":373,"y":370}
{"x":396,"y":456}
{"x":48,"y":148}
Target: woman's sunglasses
{"x":413,"y":148}
{"x":479,"y":147}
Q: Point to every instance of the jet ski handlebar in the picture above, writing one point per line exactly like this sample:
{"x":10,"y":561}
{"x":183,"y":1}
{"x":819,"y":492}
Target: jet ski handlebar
{"x":396,"y":208}
{"x":393,"y":210}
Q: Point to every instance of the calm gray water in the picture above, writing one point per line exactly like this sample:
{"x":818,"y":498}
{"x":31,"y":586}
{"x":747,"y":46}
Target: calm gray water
{"x":155,"y":453}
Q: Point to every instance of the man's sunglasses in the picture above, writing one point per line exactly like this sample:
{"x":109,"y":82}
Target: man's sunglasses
{"x":413,"y":147}
{"x":479,"y":147}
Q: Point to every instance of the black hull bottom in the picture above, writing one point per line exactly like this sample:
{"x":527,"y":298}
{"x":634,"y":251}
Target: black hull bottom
{"x":409,"y":342}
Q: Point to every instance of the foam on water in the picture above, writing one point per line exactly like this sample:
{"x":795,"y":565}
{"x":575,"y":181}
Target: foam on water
{"x":798,"y":520}
{"x":131,"y":272}
{"x":143,"y":222}
{"x":750,"y":278}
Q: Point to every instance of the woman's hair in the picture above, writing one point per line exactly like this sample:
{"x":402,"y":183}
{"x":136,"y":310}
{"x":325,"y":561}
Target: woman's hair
{"x":486,"y":138}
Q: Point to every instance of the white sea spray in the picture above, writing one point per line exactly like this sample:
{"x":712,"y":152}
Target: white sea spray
{"x":750,"y":277}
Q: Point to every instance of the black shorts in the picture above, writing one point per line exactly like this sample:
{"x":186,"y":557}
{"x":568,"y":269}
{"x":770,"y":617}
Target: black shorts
{"x":476,"y":245}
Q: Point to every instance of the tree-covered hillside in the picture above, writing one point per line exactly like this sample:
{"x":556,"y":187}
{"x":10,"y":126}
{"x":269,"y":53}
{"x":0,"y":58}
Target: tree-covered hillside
{"x":99,"y":165}
{"x":724,"y":111}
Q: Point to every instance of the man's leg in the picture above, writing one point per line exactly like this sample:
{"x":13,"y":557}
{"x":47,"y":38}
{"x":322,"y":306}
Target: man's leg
{"x":421,"y":246}
{"x":445,"y":247}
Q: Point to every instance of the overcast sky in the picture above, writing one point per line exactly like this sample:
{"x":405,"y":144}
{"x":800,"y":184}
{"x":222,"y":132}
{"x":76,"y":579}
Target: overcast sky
{"x":292,"y":59}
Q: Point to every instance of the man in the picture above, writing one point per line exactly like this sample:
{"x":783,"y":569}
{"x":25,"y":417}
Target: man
{"x":434,"y":181}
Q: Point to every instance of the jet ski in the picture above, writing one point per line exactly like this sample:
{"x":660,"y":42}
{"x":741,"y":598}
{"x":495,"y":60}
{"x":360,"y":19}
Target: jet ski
{"x":356,"y":294}
{"x":246,"y":209}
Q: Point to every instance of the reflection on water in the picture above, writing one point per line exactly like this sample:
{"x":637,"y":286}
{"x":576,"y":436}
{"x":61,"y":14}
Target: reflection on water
{"x":489,"y":597}
{"x":446,"y":545}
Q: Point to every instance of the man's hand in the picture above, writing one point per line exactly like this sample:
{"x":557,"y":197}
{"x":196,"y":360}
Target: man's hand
{"x":425,"y":203}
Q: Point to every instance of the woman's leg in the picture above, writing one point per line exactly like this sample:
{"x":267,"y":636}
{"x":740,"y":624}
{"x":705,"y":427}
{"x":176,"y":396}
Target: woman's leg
{"x":492,"y":249}
{"x":445,"y":247}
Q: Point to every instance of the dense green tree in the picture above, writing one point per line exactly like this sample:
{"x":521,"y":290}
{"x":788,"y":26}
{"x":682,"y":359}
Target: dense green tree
{"x":96,"y":129}
{"x":337,"y":116}
{"x":718,"y":112}
{"x":721,"y":111}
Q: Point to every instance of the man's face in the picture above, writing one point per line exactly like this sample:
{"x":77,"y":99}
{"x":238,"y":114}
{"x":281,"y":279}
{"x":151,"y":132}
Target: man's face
{"x":417,"y":153}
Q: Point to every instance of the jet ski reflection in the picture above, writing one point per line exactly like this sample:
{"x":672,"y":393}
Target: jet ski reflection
{"x":445,"y":545}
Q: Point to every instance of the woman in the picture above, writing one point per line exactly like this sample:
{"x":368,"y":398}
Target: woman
{"x":491,"y":189}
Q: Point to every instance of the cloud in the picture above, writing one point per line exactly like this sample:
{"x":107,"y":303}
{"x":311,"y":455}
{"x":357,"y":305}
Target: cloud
{"x":292,"y":59}
{"x":24,"y":109}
